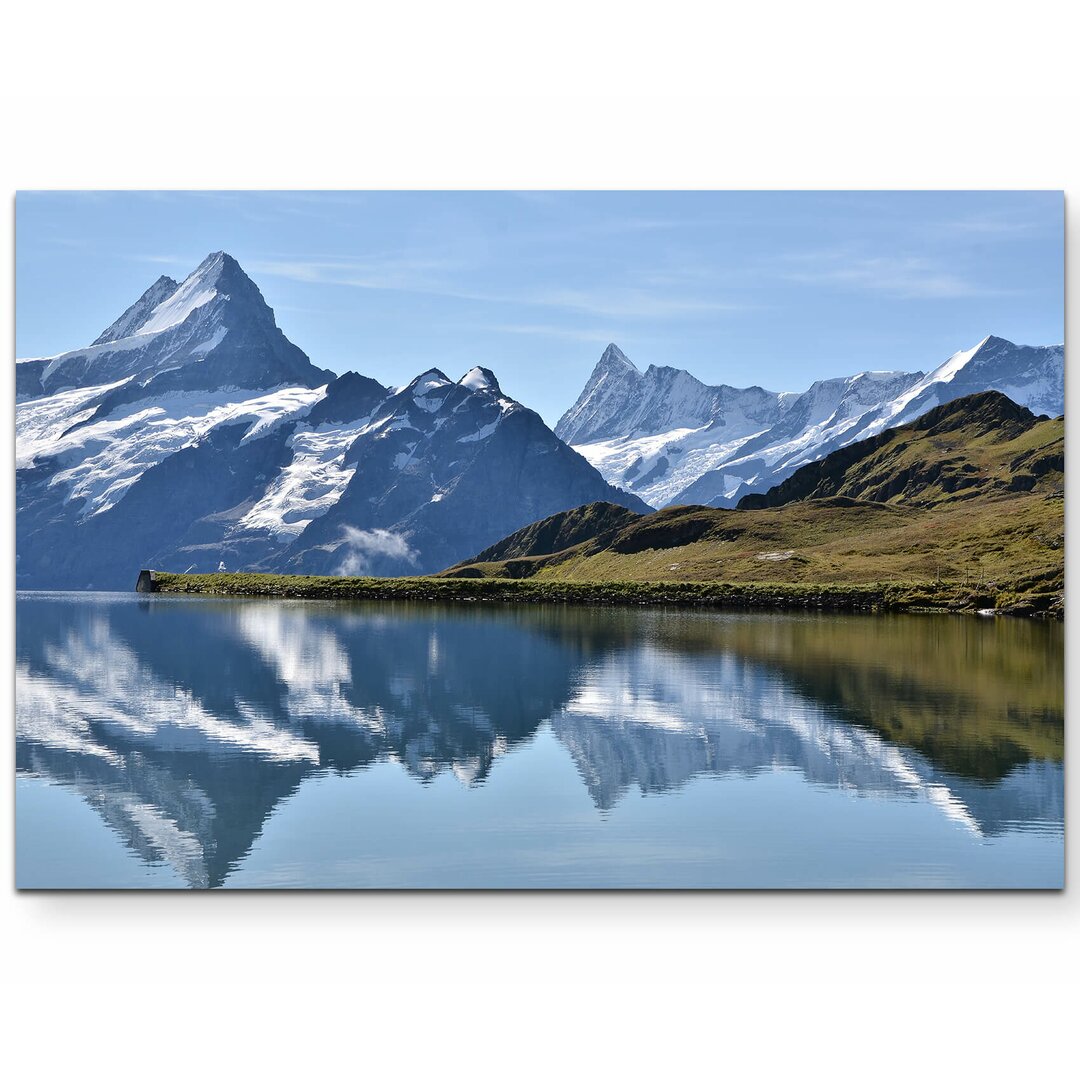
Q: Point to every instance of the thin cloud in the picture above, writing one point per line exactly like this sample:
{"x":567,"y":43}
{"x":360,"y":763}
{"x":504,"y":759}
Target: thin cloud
{"x":628,"y":303}
{"x":402,"y":273}
{"x":988,"y":225}
{"x":903,"y":277}
{"x":362,"y":549}
{"x":427,"y":276}
{"x":543,"y":330}
{"x":166,"y":260}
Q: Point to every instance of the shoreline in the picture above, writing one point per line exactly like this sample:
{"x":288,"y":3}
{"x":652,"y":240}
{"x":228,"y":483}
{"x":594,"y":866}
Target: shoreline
{"x":941,"y":597}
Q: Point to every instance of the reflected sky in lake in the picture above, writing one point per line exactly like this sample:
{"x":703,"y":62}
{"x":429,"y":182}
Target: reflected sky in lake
{"x":193,"y":742}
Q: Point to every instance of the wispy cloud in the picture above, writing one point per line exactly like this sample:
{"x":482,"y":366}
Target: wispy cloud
{"x":398,"y":272}
{"x":361,"y":549}
{"x":429,"y":275}
{"x":168,"y":260}
{"x":628,"y":302}
{"x":647,"y":224}
{"x":998,"y":225}
{"x":546,"y":330}
{"x":905,"y":277}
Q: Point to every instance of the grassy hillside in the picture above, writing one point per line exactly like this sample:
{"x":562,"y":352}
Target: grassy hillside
{"x":559,"y":532}
{"x":971,"y":495}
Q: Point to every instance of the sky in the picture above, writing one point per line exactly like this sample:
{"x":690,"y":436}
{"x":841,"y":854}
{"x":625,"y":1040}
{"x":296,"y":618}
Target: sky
{"x":775,"y":289}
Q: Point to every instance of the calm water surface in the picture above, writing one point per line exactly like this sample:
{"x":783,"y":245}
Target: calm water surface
{"x":176,"y":743}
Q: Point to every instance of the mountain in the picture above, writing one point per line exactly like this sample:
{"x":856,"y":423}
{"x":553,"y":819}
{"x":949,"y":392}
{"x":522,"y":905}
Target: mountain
{"x":193,"y":433}
{"x":950,"y":453}
{"x":434,"y":465}
{"x":972,"y":491}
{"x":213,"y":331}
{"x":619,"y":400}
{"x":655,"y":432}
{"x":671,"y":439}
{"x":1032,"y":376}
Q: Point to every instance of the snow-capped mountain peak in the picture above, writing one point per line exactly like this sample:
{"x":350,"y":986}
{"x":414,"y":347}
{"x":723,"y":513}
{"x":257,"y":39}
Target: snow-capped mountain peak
{"x":214,"y":329}
{"x":609,"y":393}
{"x":400,"y":489}
{"x":480,"y":378}
{"x":614,"y":359}
{"x":1032,"y":376}
{"x":139,"y":312}
{"x":958,"y":361}
{"x":197,"y":289}
{"x":428,"y":381}
{"x":620,"y":401}
{"x":167,"y":303}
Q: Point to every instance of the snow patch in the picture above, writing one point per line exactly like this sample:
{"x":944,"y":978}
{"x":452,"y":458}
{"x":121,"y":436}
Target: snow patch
{"x":309,"y":485}
{"x":481,"y":433}
{"x":429,"y":381}
{"x":196,"y":291}
{"x":40,"y":422}
{"x":477,"y":379}
{"x":103,"y":459}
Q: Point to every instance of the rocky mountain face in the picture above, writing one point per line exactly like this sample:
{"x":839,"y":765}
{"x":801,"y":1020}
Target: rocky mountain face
{"x":671,"y":439}
{"x":619,"y":400}
{"x":193,"y":434}
{"x":139,"y":313}
{"x":434,"y":465}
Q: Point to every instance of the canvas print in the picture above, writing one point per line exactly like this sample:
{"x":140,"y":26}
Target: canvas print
{"x":542,"y":540}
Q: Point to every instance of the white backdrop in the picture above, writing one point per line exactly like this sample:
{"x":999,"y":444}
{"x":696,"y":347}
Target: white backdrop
{"x":554,"y":95}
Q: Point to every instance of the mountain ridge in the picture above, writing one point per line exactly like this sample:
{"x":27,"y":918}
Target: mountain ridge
{"x":133,"y":317}
{"x":748,"y":440}
{"x":875,"y":469}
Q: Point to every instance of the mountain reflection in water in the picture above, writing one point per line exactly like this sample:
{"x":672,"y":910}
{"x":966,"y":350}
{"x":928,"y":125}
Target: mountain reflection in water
{"x":186,"y":723}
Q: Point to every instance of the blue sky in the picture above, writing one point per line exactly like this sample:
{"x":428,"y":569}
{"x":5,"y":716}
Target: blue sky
{"x":769,"y":288}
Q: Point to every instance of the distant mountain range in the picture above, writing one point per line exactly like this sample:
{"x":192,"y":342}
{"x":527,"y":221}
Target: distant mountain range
{"x":671,"y":439}
{"x":192,"y":434}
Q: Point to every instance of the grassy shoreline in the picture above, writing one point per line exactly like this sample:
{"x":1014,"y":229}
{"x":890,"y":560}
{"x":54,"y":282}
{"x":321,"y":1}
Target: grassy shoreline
{"x":743,"y":596}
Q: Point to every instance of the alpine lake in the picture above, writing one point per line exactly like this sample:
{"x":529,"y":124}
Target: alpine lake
{"x":193,"y":742}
